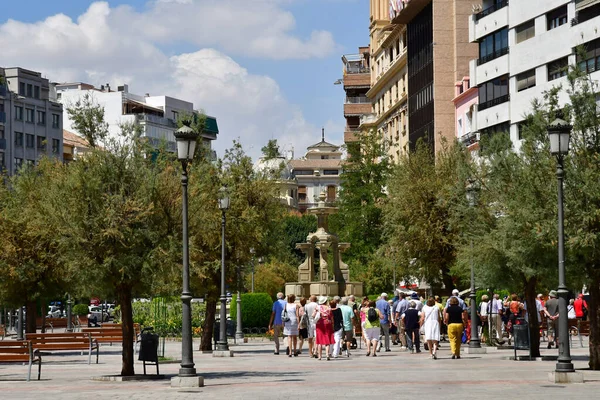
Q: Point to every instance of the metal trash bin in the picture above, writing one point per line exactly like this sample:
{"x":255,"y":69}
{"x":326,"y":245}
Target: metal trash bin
{"x":149,"y":348}
{"x":521,"y":336}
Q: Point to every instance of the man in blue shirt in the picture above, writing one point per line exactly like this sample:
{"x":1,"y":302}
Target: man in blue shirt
{"x":384,"y":308}
{"x":401,"y":308}
{"x":275,"y":321}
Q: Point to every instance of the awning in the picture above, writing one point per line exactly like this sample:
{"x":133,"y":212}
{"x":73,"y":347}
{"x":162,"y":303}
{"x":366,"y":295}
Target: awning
{"x":210,"y":125}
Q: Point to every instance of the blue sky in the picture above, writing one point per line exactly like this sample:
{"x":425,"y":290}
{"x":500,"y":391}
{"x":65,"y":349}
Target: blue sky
{"x":305,"y":83}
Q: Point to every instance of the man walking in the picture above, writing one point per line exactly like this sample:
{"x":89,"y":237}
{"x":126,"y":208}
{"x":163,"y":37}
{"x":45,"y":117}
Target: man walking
{"x":384,"y":308}
{"x":401,"y":308}
{"x":551,"y":312}
{"x":275,"y":321}
{"x":310,"y":308}
{"x":411,"y":323}
{"x":495,"y":313}
{"x":348,"y":316}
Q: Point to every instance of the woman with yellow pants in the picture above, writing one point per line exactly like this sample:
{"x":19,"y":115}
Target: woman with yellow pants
{"x":456,"y":319}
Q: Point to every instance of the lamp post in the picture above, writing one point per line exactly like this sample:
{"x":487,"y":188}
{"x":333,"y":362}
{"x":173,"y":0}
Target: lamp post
{"x":559,"y":133}
{"x":252,"y":252}
{"x":261,"y":261}
{"x":186,"y":145}
{"x":239,"y":334}
{"x":223,"y":206}
{"x":69,"y":320}
{"x":474,"y":343}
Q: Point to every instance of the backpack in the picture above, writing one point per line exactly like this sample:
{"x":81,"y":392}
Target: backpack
{"x":284,"y":315}
{"x":372,"y":315}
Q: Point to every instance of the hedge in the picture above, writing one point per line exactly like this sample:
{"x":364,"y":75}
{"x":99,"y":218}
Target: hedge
{"x":256,"y":309}
{"x":80,"y":309}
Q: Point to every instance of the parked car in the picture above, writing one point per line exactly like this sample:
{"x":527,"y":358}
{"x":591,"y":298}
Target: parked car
{"x":103,"y":313}
{"x":54,"y":312}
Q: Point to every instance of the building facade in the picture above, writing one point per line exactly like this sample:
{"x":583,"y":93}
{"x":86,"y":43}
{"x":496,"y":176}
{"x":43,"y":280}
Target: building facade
{"x":438,"y":51}
{"x":319,"y":171}
{"x":389,"y":73}
{"x":30,"y":119}
{"x":524,"y":50}
{"x":356,"y":82}
{"x":465,"y":105}
{"x":156,"y":115}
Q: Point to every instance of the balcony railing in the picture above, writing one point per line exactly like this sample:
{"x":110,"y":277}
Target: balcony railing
{"x":491,"y":10}
{"x":156,"y":120}
{"x":357,"y":100}
{"x":494,"y":102}
{"x":493,"y":56}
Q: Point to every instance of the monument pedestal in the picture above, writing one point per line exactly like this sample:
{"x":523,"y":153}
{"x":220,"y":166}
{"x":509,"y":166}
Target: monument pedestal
{"x":298,"y":289}
{"x":355,"y":288}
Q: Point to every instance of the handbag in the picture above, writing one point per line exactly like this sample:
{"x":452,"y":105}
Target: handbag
{"x":317,"y":314}
{"x":284,"y":316}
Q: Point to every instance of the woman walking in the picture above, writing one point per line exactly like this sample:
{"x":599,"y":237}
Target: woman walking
{"x":290,"y":327}
{"x":324,"y":331}
{"x":338,"y":327}
{"x":456,"y":319}
{"x":372,"y":326}
{"x":303,"y":324}
{"x":430,"y":321}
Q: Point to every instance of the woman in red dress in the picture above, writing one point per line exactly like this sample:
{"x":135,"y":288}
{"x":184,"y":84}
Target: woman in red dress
{"x":324,"y":327}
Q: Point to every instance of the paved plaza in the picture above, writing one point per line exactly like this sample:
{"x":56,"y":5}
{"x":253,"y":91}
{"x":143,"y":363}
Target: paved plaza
{"x":256,"y":373}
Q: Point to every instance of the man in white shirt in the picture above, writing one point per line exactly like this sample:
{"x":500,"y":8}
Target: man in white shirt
{"x":309,"y":308}
{"x":496,"y":309}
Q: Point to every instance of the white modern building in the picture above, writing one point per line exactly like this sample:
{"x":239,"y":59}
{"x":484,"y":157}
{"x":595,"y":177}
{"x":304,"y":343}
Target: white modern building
{"x":318,"y":171}
{"x":156,"y":115}
{"x":524,"y":49}
{"x":30,"y":119}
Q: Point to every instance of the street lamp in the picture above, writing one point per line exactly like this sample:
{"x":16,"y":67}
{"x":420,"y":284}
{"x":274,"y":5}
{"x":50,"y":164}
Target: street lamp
{"x":69,"y":314}
{"x":223,"y":206}
{"x":474,"y":343}
{"x":252,"y":252}
{"x":186,"y":144}
{"x":559,"y":133}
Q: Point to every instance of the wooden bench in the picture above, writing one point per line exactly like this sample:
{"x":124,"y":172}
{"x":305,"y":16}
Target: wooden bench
{"x":113,"y":333}
{"x":580,"y":328}
{"x":12,"y":351}
{"x":2,"y":331}
{"x":66,"y":341}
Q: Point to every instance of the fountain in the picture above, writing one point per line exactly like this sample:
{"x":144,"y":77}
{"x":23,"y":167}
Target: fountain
{"x":324,"y":242}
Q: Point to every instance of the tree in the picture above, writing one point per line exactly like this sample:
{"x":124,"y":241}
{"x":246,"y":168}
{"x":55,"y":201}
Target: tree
{"x":295,"y":229}
{"x":271,"y":150}
{"x":87,"y":118}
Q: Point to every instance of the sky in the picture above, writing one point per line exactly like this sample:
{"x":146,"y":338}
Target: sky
{"x":264,"y":68}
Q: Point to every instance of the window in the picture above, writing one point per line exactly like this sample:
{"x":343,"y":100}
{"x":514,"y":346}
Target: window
{"x":55,"y":145}
{"x":19,"y":113}
{"x":29,"y":90}
{"x":526,"y":80}
{"x":175,"y":115}
{"x":18,"y":163}
{"x":493,"y":92}
{"x":29,"y":115}
{"x":591,"y":62}
{"x":21,"y":88}
{"x":55,"y":121}
{"x":495,"y":129}
{"x":331,"y":193}
{"x":304,"y":172}
{"x":558,"y":68}
{"x":41,"y":117}
{"x":29,"y":141}
{"x":330,"y":172}
{"x":493,"y":46}
{"x":41,"y":143}
{"x":2,"y":161}
{"x":460,"y":127}
{"x":18,"y":138}
{"x":557,"y":17}
{"x":324,"y":157}
{"x":525,"y":31}
{"x":37,"y":92}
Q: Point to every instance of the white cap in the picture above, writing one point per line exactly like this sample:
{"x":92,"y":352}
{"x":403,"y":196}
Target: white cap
{"x":383,"y":295}
{"x":455,"y":291}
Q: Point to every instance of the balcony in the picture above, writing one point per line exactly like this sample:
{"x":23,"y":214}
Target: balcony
{"x":356,"y":109}
{"x":409,"y":9}
{"x":357,"y":100}
{"x":153,"y":119}
{"x":493,"y":56}
{"x":494,"y":102}
{"x":491,"y":10}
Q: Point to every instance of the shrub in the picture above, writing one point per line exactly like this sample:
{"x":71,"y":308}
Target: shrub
{"x":256,"y":309}
{"x":80,"y":309}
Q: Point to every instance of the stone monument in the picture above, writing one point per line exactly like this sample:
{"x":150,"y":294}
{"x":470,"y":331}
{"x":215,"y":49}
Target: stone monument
{"x":338,"y":284}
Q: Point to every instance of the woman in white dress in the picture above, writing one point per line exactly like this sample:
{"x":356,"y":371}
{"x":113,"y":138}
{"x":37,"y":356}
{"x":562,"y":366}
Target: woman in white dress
{"x":290,"y":327}
{"x":430,"y":321}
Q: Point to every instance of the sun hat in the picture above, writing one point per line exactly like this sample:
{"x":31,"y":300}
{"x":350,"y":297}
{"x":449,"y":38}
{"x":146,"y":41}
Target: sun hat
{"x":414,"y":296}
{"x":553,"y":294}
{"x":322,"y":300}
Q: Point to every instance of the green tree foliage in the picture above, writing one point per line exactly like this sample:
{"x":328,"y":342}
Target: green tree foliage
{"x":271,"y":150}
{"x":80,"y":309}
{"x":270,"y":277}
{"x":295,"y":230}
{"x":87,"y":118}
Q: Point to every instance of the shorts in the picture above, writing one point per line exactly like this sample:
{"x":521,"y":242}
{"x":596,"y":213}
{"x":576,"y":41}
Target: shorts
{"x":312,"y":331}
{"x":348,"y":336}
{"x":303,"y":332}
{"x":372,"y":333}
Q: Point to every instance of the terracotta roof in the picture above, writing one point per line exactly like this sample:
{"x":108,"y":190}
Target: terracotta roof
{"x":315,"y":164}
{"x":73,"y":139}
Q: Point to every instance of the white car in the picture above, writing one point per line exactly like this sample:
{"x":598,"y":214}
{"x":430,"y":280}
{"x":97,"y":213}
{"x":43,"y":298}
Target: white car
{"x":102,"y":316}
{"x":54,"y":312}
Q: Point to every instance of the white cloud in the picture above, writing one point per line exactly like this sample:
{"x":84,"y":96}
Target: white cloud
{"x":119,"y":45}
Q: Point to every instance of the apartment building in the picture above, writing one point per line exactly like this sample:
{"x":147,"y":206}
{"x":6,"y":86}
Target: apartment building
{"x":30,"y":119}
{"x":389,"y":73}
{"x":524,"y":49}
{"x":318,"y":171}
{"x":357,"y":82}
{"x":156,"y":115}
{"x":438,"y":51}
{"x":465,"y":105}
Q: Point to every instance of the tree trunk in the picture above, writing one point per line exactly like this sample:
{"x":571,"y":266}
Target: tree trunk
{"x":209,"y":323}
{"x":534,"y":324}
{"x":593,"y":313}
{"x":124,"y":293}
{"x":44,"y":308}
{"x":30,"y":319}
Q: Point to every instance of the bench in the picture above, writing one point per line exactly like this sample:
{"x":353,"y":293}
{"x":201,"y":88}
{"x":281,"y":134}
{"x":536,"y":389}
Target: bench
{"x":2,"y":331}
{"x":67,"y":341}
{"x":580,"y":328}
{"x":21,"y":352}
{"x":112,"y":333}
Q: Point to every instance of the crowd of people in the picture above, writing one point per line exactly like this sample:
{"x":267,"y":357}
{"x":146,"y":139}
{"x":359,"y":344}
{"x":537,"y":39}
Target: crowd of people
{"x":334,"y":326}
